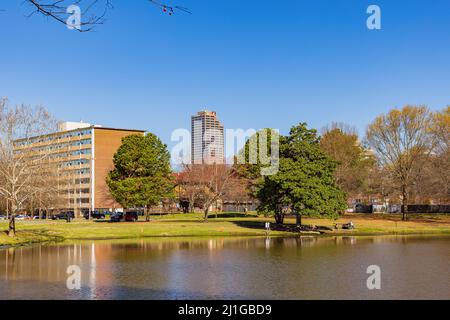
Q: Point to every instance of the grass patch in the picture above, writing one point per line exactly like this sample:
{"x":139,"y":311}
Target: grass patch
{"x":192,"y":225}
{"x":28,"y":237}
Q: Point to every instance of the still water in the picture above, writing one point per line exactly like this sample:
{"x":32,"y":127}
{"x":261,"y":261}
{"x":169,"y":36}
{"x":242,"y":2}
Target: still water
{"x":278,"y":268}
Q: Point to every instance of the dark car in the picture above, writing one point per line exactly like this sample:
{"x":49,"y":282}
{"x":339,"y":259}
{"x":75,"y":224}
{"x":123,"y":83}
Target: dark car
{"x":95,"y":215}
{"x":68,"y":215}
{"x":129,"y":216}
{"x":116,"y":217}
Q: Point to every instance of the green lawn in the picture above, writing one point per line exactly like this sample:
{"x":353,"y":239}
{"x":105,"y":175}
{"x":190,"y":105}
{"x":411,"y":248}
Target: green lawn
{"x":192,"y":225}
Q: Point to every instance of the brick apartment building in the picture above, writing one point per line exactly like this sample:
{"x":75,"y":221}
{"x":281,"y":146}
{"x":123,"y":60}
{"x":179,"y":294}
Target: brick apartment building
{"x":84,"y":156}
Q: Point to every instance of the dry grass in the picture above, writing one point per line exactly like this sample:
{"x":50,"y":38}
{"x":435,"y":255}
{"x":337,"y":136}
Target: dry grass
{"x":390,"y":224}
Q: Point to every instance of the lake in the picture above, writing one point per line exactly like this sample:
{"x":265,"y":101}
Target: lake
{"x":412,"y":267}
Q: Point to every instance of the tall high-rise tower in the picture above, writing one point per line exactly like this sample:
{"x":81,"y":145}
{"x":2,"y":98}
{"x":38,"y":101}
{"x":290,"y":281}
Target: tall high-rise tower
{"x":207,"y":139}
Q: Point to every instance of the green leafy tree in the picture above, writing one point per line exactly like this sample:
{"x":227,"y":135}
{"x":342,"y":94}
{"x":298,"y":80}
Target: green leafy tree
{"x":248,"y":163}
{"x":142,"y":176}
{"x":304,"y":183}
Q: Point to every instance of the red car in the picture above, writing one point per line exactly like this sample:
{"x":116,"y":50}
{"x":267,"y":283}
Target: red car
{"x":131,"y":216}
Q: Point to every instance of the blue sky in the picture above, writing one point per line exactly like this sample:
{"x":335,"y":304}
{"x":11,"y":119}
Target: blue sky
{"x":257,"y":63}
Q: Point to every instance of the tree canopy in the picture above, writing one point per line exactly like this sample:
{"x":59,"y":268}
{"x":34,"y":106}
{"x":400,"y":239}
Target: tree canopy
{"x":304,"y":183}
{"x":142,"y":176}
{"x":355,"y":163}
{"x":402,"y":139}
{"x":257,"y":157}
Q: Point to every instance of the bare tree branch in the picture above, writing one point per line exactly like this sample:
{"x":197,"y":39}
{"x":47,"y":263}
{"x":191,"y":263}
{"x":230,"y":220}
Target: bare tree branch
{"x":58,"y":10}
{"x":169,"y":9}
{"x":94,"y":12}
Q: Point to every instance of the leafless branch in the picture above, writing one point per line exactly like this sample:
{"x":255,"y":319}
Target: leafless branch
{"x":95,"y":11}
{"x":169,"y":9}
{"x":58,"y":10}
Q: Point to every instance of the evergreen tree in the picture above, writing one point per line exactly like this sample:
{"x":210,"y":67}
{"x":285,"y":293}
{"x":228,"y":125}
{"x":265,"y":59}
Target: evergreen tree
{"x":142,"y":176}
{"x":304,"y":183}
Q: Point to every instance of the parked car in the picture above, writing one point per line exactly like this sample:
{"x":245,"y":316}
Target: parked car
{"x":116,"y":217}
{"x":20,"y":217}
{"x":362,"y":208}
{"x":129,"y":216}
{"x":64,"y":216}
{"x":95,"y":215}
{"x":2,"y":217}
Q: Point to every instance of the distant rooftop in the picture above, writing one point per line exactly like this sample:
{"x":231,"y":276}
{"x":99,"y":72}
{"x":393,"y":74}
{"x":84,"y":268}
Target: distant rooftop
{"x":206,"y":113}
{"x":71,"y":126}
{"x":68,"y":125}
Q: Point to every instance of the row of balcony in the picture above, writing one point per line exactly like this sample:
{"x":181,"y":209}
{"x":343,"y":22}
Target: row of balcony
{"x":53,"y":142}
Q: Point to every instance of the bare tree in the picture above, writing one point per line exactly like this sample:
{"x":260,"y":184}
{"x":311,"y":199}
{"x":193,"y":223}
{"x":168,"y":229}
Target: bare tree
{"x":93,"y":12}
{"x":238,"y":192}
{"x":190,"y":186}
{"x":400,"y":140}
{"x":438,"y":175}
{"x":22,"y":168}
{"x":47,"y":184}
{"x":206,"y":184}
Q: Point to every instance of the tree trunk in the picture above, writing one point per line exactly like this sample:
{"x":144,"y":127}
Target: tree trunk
{"x":191,"y":205}
{"x":147,"y":215}
{"x":12,"y":220}
{"x":299,"y":220}
{"x":12,"y":225}
{"x":206,"y":211}
{"x":216,"y":209}
{"x":404,"y":204}
{"x":279,"y":218}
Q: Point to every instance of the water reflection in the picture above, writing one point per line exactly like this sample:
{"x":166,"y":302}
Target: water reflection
{"x":242,"y":268}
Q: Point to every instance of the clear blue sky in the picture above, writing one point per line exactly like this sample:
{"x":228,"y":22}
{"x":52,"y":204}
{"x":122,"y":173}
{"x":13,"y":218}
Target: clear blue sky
{"x":257,"y":63}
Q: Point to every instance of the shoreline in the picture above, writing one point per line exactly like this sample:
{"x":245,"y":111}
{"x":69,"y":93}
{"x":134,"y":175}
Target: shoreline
{"x":26,"y":244}
{"x":190,"y":226}
{"x":202,"y":237}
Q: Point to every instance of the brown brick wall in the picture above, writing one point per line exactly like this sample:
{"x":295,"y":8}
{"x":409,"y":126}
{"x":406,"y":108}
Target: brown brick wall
{"x":107,"y":142}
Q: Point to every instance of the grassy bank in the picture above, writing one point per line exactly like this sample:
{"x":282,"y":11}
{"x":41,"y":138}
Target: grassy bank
{"x":192,"y":225}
